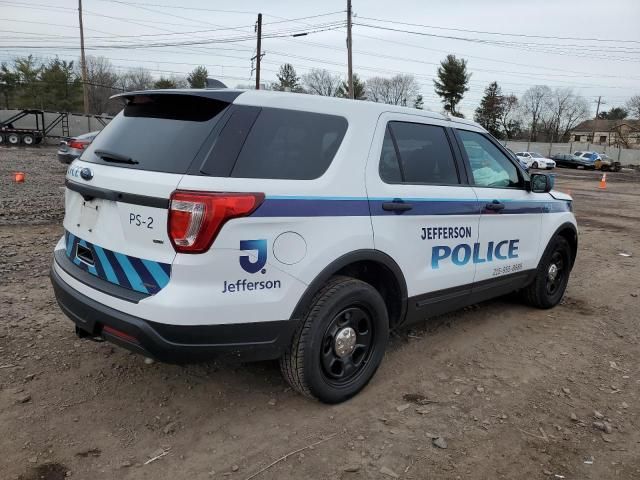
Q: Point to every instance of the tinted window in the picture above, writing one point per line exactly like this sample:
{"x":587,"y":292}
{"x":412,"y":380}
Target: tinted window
{"x":490,"y":167}
{"x":389,"y":165}
{"x":288,"y":144}
{"x":160,"y":133}
{"x":425,"y":155}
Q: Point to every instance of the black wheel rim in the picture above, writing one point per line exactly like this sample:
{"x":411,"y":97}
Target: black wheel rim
{"x":343,"y":369}
{"x":556,"y":273}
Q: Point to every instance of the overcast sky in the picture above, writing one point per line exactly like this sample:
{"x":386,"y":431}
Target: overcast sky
{"x":592,"y":67}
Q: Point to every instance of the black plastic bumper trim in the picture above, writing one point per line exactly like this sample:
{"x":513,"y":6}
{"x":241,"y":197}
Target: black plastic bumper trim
{"x":92,"y":281}
{"x":175,"y":343}
{"x":89,"y":192}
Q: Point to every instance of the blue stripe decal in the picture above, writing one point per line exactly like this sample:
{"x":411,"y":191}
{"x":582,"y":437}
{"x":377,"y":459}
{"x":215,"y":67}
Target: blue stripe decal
{"x":106,"y":266}
{"x":160,"y":276}
{"x":147,"y":279}
{"x":138,"y":274}
{"x":123,"y":281}
{"x":281,"y":206}
{"x":302,"y":207}
{"x":134,"y":279}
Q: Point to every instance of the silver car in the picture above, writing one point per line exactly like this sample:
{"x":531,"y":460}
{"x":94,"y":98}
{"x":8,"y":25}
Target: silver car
{"x":69,"y":150}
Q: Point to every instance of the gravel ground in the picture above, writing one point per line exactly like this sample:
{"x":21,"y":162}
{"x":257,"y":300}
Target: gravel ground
{"x":498,"y":390}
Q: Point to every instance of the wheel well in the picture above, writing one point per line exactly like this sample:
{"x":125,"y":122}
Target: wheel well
{"x":384,"y":281}
{"x":571,"y":236}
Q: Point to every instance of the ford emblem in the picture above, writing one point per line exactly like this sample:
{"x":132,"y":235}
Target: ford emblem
{"x":86,"y":174}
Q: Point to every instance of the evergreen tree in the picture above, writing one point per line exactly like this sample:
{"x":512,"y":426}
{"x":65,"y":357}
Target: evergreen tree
{"x":419,"y":103}
{"x":9,"y":82}
{"x":62,"y":88}
{"x":198,"y":77}
{"x":359,"y":89}
{"x":164,"y":83}
{"x":489,"y":113}
{"x":452,"y":82}
{"x":288,"y":80}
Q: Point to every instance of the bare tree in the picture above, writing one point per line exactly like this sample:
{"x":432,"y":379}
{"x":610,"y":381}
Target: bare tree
{"x":634,"y":106}
{"x":511,"y":125}
{"x":321,"y":82}
{"x":399,"y":90}
{"x":102,"y":82}
{"x":535,"y":102}
{"x":135,"y":79}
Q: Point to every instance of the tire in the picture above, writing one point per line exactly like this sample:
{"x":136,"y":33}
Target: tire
{"x":13,"y":139}
{"x":1,"y":139}
{"x":28,"y":139}
{"x":534,"y":165}
{"x":538,"y":293}
{"x":312,"y":365}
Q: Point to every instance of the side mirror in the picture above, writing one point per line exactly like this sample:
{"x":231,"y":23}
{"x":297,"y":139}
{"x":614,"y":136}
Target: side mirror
{"x":541,"y":183}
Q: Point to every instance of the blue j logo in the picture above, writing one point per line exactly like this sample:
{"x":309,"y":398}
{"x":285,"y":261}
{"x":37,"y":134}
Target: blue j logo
{"x":245,"y":260}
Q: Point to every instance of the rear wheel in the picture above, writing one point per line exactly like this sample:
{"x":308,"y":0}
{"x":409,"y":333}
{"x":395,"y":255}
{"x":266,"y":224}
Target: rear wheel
{"x":13,"y":139}
{"x":340,"y":343}
{"x":1,"y":139}
{"x":28,"y":139}
{"x":534,"y":165}
{"x":552,"y":275}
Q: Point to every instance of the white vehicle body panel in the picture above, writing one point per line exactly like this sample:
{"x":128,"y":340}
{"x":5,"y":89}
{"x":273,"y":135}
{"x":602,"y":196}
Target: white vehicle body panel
{"x":305,"y":224}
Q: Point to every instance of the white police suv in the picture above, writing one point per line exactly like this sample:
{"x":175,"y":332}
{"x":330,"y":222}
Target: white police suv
{"x":275,"y":225}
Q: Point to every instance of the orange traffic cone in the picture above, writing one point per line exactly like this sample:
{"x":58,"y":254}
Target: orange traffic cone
{"x":603,"y":182}
{"x":18,"y":177}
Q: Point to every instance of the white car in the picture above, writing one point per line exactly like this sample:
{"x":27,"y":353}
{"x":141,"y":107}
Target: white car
{"x":535,"y":160}
{"x":271,"y":225}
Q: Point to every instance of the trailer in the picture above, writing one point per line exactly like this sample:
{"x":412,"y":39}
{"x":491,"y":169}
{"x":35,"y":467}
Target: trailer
{"x":10,"y":135}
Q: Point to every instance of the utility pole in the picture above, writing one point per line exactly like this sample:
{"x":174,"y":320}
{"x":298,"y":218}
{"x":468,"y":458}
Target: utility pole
{"x":349,"y":52}
{"x":84,"y":68}
{"x":595,"y":121}
{"x":258,"y":51}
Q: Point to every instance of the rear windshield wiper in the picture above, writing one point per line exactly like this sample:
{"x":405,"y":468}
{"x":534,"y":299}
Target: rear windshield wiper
{"x":114,"y":157}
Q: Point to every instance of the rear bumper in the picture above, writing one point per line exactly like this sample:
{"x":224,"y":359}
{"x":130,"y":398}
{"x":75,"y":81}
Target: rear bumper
{"x":66,"y":158}
{"x":173,"y":343}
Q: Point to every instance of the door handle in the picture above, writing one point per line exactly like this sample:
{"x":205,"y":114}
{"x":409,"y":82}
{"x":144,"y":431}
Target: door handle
{"x":396,"y":206}
{"x":495,"y":206}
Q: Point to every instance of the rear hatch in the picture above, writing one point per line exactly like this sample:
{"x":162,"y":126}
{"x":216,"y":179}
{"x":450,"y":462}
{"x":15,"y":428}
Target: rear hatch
{"x":118,"y":192}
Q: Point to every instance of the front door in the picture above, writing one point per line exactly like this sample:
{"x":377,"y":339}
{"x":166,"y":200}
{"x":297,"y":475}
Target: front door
{"x":510,"y":221}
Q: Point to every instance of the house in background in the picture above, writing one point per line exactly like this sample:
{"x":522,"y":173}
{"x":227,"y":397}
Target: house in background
{"x":614,"y":133}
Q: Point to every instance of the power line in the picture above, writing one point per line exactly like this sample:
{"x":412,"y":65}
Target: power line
{"x":396,"y":22}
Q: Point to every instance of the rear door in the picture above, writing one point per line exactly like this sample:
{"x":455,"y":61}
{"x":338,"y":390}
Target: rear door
{"x":118,"y":192}
{"x":424,"y":215}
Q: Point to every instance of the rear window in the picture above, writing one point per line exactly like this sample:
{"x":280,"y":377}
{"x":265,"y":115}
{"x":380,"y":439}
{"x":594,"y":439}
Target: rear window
{"x":160,"y":133}
{"x":290,"y":145}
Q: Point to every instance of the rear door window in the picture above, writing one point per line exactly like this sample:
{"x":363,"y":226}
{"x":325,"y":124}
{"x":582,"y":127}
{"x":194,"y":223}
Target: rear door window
{"x":160,"y":133}
{"x":290,"y":145}
{"x":417,"y":153}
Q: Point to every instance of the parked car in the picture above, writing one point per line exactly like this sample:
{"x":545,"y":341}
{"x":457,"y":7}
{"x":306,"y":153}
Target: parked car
{"x":522,"y":163}
{"x":69,"y":150}
{"x":571,"y":161}
{"x":274,"y":225}
{"x":535,"y":160}
{"x":606,"y":163}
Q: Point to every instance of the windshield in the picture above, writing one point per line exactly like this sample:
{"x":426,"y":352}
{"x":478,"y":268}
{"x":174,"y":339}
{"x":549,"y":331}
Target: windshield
{"x":536,"y":155}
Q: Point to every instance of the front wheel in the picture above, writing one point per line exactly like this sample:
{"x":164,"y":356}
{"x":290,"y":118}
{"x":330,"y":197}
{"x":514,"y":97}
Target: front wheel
{"x":552,"y":275}
{"x":28,"y":139}
{"x":534,"y":165}
{"x":340,"y":342}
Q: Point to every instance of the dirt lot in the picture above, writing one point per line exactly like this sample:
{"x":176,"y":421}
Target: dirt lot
{"x":511,"y":390}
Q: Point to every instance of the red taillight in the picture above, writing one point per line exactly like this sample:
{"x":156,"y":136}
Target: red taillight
{"x":195,"y":218}
{"x":79,"y":144}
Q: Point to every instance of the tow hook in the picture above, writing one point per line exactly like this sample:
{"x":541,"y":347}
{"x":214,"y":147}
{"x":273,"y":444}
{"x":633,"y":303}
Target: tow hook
{"x":80,"y":333}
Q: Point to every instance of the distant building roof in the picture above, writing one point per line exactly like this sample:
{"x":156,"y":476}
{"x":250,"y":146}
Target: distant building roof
{"x":605,"y":125}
